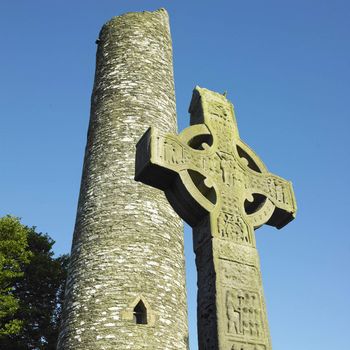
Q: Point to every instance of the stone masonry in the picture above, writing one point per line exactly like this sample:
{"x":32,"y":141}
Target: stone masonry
{"x":126,"y":283}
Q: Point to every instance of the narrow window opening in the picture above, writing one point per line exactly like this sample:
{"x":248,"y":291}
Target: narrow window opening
{"x":140,"y":313}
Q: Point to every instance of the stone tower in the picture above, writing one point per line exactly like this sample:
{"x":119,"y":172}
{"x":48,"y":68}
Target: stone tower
{"x":126,"y":283}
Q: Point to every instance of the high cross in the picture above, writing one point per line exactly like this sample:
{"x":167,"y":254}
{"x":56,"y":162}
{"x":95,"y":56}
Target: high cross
{"x":221,"y":188}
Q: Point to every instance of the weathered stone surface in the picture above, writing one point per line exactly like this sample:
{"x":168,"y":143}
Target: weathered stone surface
{"x":128,"y":241}
{"x":223,"y":190}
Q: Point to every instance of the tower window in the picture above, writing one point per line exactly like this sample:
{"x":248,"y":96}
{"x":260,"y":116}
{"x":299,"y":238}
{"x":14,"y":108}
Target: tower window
{"x":140,"y":313}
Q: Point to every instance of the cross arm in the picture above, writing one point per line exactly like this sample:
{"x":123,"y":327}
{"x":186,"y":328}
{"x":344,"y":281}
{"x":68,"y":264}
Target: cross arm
{"x":277,"y":203}
{"x":270,"y":198}
{"x":282,"y":196}
{"x":169,"y":163}
{"x":152,"y":167}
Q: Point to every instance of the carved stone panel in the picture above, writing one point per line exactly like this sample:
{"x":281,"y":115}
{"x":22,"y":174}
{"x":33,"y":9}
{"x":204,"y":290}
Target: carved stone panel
{"x":234,"y":228}
{"x":234,"y":252}
{"x":243,"y":320}
{"x":237,"y":274}
{"x":243,"y":314}
{"x":246,"y":346}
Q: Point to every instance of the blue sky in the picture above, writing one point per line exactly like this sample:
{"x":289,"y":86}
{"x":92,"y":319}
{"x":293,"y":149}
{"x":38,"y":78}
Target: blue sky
{"x":285,"y":66}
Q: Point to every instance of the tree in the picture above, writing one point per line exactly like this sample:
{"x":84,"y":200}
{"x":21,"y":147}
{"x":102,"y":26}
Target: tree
{"x":14,"y":254}
{"x":39,"y":291}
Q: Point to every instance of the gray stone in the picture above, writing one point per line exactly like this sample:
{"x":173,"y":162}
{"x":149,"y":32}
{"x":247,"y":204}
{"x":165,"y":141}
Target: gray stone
{"x":126,"y":283}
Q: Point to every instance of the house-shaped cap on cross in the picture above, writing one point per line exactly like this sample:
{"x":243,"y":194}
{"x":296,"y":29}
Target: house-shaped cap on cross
{"x":208,"y":169}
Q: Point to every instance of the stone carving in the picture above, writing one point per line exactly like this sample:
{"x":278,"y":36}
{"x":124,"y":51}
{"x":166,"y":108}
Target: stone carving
{"x":219,"y":110}
{"x":243,"y":313}
{"x":234,"y":228}
{"x":238,"y":274}
{"x":247,"y":346}
{"x":241,"y":253}
{"x":172,"y":152}
{"x":218,"y":185}
{"x":226,"y":165}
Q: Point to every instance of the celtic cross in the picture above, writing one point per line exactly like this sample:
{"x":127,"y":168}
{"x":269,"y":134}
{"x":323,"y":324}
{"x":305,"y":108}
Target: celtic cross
{"x":221,"y":188}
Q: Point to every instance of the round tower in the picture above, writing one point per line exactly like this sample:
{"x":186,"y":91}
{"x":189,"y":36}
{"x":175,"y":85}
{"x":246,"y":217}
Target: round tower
{"x":126,"y":282}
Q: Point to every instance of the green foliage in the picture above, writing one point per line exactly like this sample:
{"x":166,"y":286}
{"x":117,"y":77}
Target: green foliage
{"x":39,"y":291}
{"x":14,"y":254}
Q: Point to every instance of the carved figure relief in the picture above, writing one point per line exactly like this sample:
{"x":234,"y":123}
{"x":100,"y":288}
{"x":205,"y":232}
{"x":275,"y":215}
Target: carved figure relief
{"x":173,"y":152}
{"x":243,"y":313}
{"x":234,"y":228}
{"x":278,"y":191}
{"x":226,"y":168}
{"x":233,"y":309}
{"x":210,"y":164}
